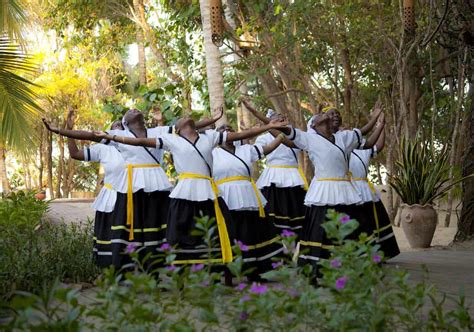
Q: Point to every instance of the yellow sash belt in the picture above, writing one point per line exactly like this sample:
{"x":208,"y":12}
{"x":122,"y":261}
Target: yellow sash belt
{"x":300,"y":170}
{"x":372,"y":189}
{"x":130,"y":168}
{"x":261,"y":211}
{"x":221,"y":226}
{"x":333,"y":179}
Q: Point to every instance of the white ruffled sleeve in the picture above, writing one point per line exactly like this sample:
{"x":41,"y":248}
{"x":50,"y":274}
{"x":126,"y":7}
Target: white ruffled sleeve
{"x":256,"y":152}
{"x":352,"y":139}
{"x":216,"y":137}
{"x":299,"y":138}
{"x":93,"y":152}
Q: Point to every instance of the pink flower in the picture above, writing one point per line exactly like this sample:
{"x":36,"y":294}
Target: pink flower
{"x":242,"y":246}
{"x":336,"y":263}
{"x":165,"y":246}
{"x":197,"y":267}
{"x":204,"y":283}
{"x":171,"y":268}
{"x":244,"y":315}
{"x":276,"y":265}
{"x":293,"y":292}
{"x":345,"y":219}
{"x":258,"y":289}
{"x":376,"y":258}
{"x":244,"y":298}
{"x":131,"y":247}
{"x":287,"y":233}
{"x":241,"y":286}
{"x":278,"y":287}
{"x":341,"y":282}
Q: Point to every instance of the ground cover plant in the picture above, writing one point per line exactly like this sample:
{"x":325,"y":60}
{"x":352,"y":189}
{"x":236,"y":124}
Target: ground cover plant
{"x":34,"y":253}
{"x":355,"y":293}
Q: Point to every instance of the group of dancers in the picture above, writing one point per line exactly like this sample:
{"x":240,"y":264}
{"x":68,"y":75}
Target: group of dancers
{"x":138,"y":206}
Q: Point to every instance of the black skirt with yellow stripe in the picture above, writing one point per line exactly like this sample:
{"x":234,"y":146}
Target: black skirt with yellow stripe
{"x":196,"y":242}
{"x":285,"y":207}
{"x":113,"y":235}
{"x":259,"y":240}
{"x":378,"y":228}
{"x":314,"y":244}
{"x":102,"y":251}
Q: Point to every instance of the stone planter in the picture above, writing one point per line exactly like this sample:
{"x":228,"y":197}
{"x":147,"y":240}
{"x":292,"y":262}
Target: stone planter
{"x":419,"y":224}
{"x":40,"y":196}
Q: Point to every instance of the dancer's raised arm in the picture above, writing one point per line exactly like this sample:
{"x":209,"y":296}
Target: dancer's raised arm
{"x":77,"y":134}
{"x":256,"y":113}
{"x":373,"y":139}
{"x":378,"y":108}
{"x":138,"y":141}
{"x":209,"y":121}
{"x":270,"y":147}
{"x":74,"y":151}
{"x":255,"y":131}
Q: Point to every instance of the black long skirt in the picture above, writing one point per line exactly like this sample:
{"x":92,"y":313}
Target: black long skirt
{"x":383,"y":235}
{"x":150,"y":215}
{"x":285,"y":207}
{"x":102,"y":252}
{"x":314,"y":244}
{"x":196,"y":243}
{"x":260,"y":239}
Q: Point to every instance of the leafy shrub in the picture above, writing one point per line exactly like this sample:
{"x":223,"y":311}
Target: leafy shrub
{"x":355,"y":293}
{"x":34,"y":253}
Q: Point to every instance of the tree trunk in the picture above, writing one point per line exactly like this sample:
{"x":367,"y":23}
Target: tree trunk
{"x":215,"y":78}
{"x":3,"y":170}
{"x":348,"y":84}
{"x":49,"y":162}
{"x":454,"y":142}
{"x":60,"y":169}
{"x":244,"y":120}
{"x":138,"y":7}
{"x":39,"y":157}
{"x":466,"y":223}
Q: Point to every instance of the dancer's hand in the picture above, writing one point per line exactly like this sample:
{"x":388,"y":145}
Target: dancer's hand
{"x":101,"y":134}
{"x":278,"y":123}
{"x":219,"y":111}
{"x":49,"y":127}
{"x":378,"y":108}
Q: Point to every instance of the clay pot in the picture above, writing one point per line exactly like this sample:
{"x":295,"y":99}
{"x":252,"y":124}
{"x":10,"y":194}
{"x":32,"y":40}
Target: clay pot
{"x":419,"y":224}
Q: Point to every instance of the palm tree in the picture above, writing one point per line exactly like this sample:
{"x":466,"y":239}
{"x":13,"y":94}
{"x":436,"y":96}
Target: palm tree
{"x":215,"y":78}
{"x":17,"y":100}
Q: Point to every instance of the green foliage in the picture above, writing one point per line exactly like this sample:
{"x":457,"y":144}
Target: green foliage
{"x":421,"y":173}
{"x":34,"y":253}
{"x":18,"y":107}
{"x":356,"y":293}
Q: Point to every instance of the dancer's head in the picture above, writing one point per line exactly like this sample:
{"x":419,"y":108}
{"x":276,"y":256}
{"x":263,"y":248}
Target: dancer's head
{"x":225,"y":127}
{"x":184,"y":125}
{"x":335,"y":116}
{"x":117,"y":125}
{"x":319,"y":121}
{"x":133,"y":116}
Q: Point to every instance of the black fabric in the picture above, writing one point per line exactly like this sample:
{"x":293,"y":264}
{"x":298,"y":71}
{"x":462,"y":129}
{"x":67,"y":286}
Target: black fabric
{"x":385,"y":237}
{"x":102,"y":233}
{"x":150,"y":214}
{"x":314,"y":232}
{"x":261,"y":237}
{"x":285,"y":207}
{"x":182,"y":222}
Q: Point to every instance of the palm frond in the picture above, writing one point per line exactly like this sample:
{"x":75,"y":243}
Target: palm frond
{"x":18,"y":107}
{"x":12,"y":19}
